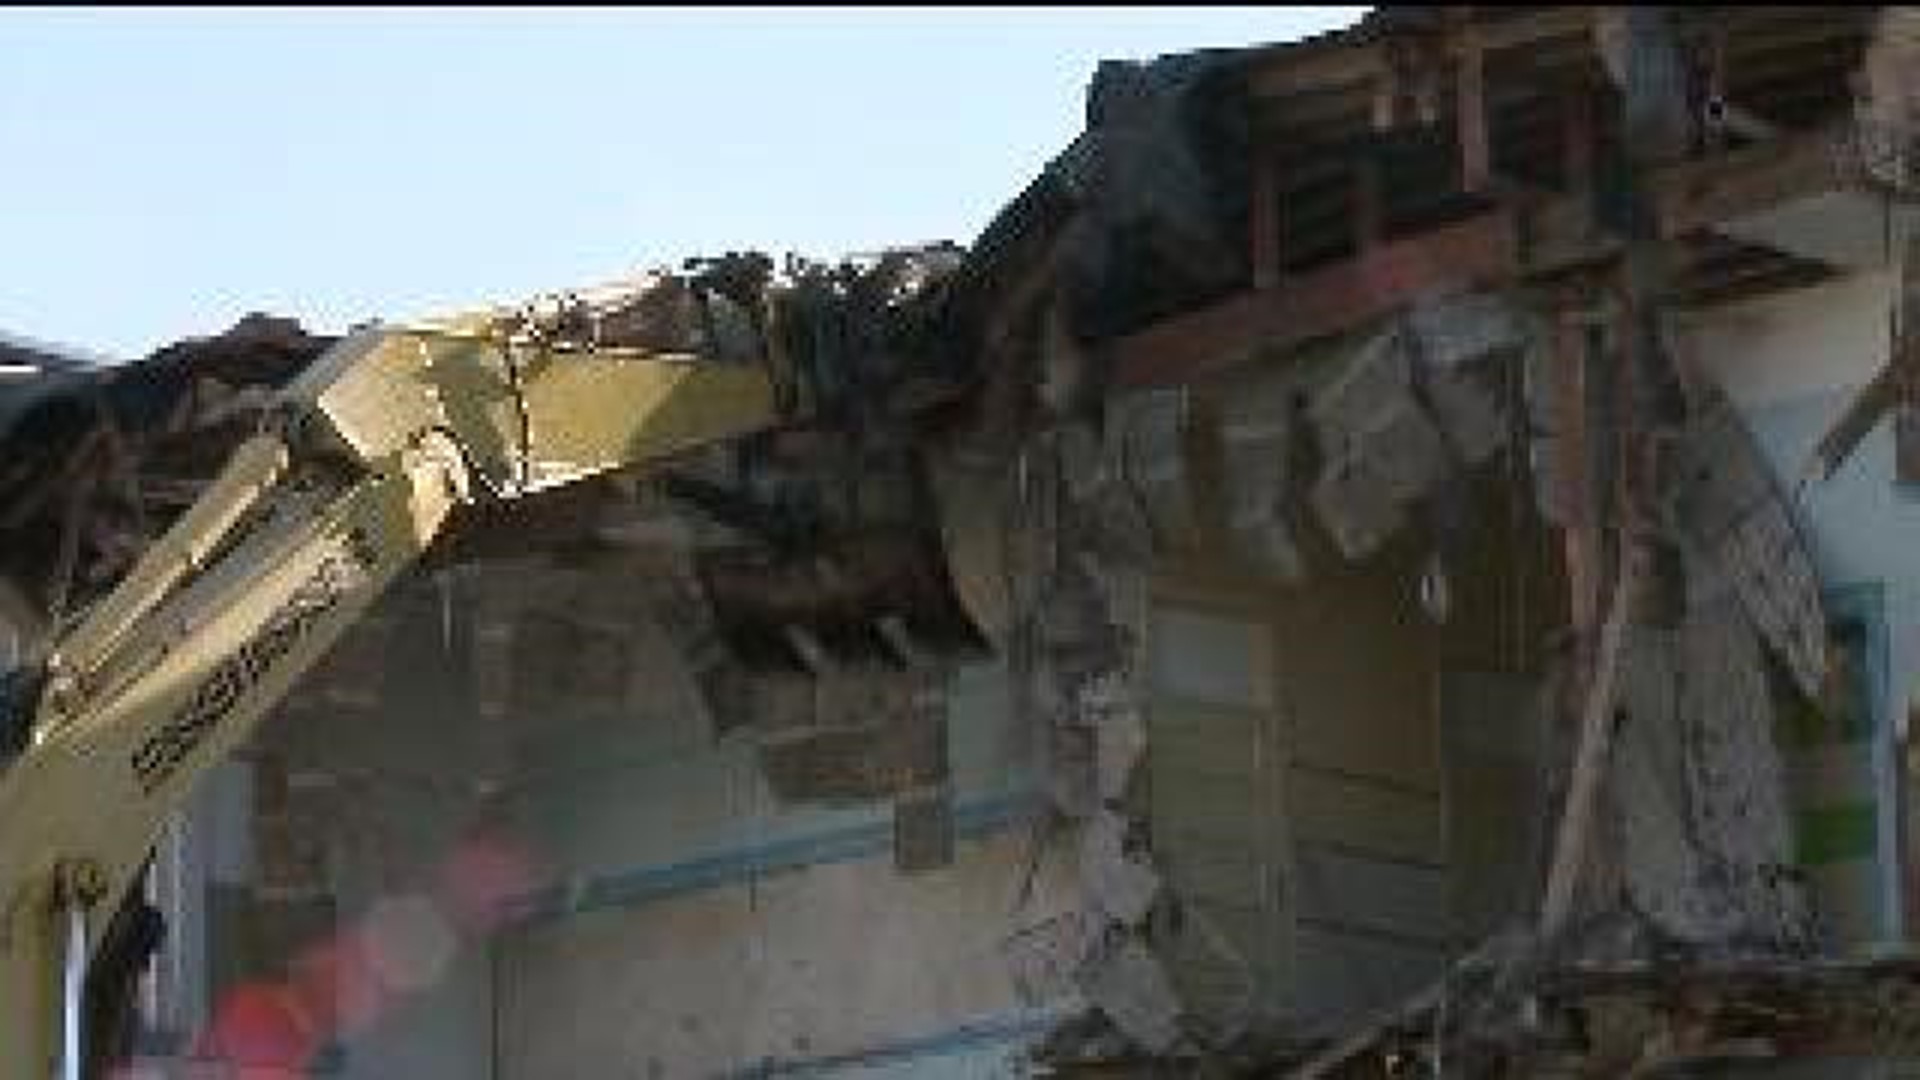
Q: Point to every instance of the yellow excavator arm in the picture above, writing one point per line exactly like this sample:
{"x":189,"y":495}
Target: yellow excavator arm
{"x":368,"y":452}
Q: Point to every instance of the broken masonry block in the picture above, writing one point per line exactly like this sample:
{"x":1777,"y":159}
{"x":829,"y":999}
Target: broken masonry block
{"x":1456,"y":330}
{"x":1377,"y":375}
{"x":1087,"y":658}
{"x":1470,"y":412}
{"x":1402,"y":448}
{"x":1072,"y":615}
{"x":1120,"y":885}
{"x":1154,"y":453}
{"x":1083,"y":461}
{"x":1355,"y":507}
{"x":1381,"y":448}
{"x":1545,"y":387}
{"x":1730,"y":507}
{"x":1043,"y":957}
{"x":1113,"y":524}
{"x":1255,"y":452}
{"x":1071,"y":784}
{"x":1107,"y":693}
{"x":1124,"y":980}
{"x":1124,"y":589}
{"x":1119,"y":743}
{"x":1416,"y":401}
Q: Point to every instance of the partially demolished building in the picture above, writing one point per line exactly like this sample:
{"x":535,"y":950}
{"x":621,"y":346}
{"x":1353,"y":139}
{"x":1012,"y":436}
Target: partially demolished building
{"x":1429,"y":510}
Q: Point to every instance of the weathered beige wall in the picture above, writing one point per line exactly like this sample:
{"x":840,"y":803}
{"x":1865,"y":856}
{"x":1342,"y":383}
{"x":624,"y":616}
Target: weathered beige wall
{"x":692,"y":924}
{"x":825,"y":961}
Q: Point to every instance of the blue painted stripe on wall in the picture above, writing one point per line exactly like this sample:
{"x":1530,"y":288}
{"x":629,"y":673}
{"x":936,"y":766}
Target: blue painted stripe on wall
{"x":977,"y":1035}
{"x":972,"y":818}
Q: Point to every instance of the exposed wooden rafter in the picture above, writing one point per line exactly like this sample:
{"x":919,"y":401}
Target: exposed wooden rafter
{"x":1547,"y":236}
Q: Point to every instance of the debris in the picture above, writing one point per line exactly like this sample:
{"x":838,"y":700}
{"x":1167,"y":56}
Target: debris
{"x":1735,"y":783}
{"x":1043,"y":957}
{"x":1417,"y":403}
{"x":1126,"y":982}
{"x":1731,"y":508}
{"x":1887,"y":112}
{"x":1154,"y":426}
{"x":1123,"y":887}
{"x":1381,"y":449}
{"x":1071,"y":781}
{"x":1454,"y":331}
{"x":1120,"y":736}
{"x":1463,"y":347}
{"x":1260,"y":430}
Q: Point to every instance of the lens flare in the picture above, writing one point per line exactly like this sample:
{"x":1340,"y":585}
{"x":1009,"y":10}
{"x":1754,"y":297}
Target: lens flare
{"x":261,"y":1025}
{"x":346,"y":984}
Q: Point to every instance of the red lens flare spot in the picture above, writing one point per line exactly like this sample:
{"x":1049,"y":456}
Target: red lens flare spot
{"x":261,"y":1026}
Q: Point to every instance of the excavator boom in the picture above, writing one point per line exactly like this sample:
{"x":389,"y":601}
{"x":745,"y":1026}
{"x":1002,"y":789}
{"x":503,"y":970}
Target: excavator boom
{"x":367,"y":454}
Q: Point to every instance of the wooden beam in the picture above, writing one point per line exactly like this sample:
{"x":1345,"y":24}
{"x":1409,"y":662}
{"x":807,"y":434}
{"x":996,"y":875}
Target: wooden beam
{"x":1593,"y":752}
{"x":1476,"y":152}
{"x":1386,"y":100}
{"x":1476,"y":252}
{"x":1264,"y":220}
{"x":1335,"y":67}
{"x":1545,"y":23}
{"x":1369,"y":204}
{"x":1479,"y":251}
{"x":1705,"y":193}
{"x":1785,"y":31}
{"x":1318,"y":68}
{"x":1573,"y":472}
{"x":1579,"y":137}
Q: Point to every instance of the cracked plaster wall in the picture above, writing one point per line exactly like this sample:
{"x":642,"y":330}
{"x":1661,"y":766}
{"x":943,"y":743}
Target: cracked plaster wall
{"x":1790,"y":363}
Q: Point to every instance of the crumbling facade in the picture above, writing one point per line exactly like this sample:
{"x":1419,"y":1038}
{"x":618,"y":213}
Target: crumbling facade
{"x":1391,"y":553}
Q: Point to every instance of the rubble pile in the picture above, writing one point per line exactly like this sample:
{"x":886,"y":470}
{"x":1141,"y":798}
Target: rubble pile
{"x":100,"y":460}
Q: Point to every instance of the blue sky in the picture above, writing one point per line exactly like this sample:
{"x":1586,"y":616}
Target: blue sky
{"x":163,"y":172}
